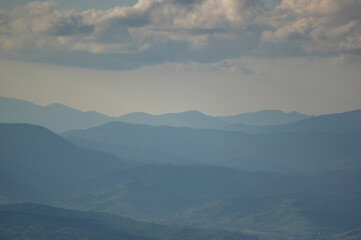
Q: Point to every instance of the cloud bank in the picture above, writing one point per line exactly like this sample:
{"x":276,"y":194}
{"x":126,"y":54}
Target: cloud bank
{"x":157,"y":31}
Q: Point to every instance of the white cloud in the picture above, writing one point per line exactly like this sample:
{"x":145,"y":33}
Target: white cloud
{"x":38,"y":25}
{"x":319,"y":26}
{"x":200,"y":30}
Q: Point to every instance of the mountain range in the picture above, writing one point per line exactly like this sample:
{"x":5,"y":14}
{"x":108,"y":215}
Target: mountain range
{"x":38,"y":165}
{"x":337,"y":123}
{"x":56,"y":117}
{"x":59,"y":118}
{"x":277,"y":152}
{"x":264,"y":118}
{"x":110,"y":179}
{"x":36,"y":222}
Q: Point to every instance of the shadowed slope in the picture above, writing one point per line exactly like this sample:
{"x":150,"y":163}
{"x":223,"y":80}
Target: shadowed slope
{"x":37,"y":222}
{"x":279,"y":152}
{"x":40,"y":165}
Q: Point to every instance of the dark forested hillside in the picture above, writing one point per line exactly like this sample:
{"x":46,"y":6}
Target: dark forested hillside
{"x":36,"y":164}
{"x":288,"y":185}
{"x":41,"y":222}
{"x":280,"y":206}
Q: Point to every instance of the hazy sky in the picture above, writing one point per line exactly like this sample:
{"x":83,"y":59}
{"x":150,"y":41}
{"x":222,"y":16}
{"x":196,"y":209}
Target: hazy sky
{"x":217,"y":56}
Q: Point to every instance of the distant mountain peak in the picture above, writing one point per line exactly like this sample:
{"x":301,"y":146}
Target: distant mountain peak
{"x":60,"y":106}
{"x":194,"y":111}
{"x":191,"y":118}
{"x":265,"y":117}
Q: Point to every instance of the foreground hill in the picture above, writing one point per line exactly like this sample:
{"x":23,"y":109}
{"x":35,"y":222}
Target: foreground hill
{"x":162,"y":191}
{"x":321,"y":201}
{"x":295,"y":215}
{"x":272,"y":206}
{"x":37,"y":222}
{"x":36,"y":164}
{"x":336,"y":123}
{"x":277,"y":152}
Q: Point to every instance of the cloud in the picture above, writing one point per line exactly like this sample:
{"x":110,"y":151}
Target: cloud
{"x":346,"y":59}
{"x":318,"y":26}
{"x":155,"y":31}
{"x":39,"y":26}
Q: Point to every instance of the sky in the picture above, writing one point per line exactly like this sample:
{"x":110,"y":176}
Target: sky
{"x":221,"y":57}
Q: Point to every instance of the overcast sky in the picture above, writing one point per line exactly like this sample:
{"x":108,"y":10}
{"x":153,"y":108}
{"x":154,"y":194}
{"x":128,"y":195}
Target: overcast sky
{"x":220,"y":57}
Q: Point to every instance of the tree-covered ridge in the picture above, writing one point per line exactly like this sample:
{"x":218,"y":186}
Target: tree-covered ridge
{"x":38,"y":222}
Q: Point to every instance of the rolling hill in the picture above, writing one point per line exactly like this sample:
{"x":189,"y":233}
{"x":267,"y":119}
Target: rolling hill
{"x":277,"y":152}
{"x":37,"y":222}
{"x":55,"y":117}
{"x":268,"y":205}
{"x":192,"y":119}
{"x":346,"y":122}
{"x":297,"y":215}
{"x":38,"y":165}
{"x":317,"y":203}
{"x":161,"y":191}
{"x":60,"y":118}
{"x":264,"y":118}
{"x":298,"y":180}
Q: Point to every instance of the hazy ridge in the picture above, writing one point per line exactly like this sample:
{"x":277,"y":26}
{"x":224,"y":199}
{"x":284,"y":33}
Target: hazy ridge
{"x":59,"y":118}
{"x":297,"y":180}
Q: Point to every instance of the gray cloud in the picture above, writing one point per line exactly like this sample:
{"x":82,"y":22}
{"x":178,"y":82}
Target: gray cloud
{"x":69,"y":25}
{"x":318,"y":26}
{"x":155,"y":31}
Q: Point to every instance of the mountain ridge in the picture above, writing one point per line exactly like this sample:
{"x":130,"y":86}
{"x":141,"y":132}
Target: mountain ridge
{"x":265,"y":117}
{"x":59,"y":118}
{"x":31,"y":154}
{"x":36,"y":221}
{"x":304,"y":184}
{"x":289,"y":152}
{"x":337,"y":122}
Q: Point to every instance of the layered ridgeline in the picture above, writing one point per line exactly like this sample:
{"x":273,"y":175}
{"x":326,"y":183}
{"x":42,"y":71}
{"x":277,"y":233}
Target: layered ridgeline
{"x":270,"y":206}
{"x":336,"y":123}
{"x":38,"y":165}
{"x":34,"y":222}
{"x":56,"y":117}
{"x":264,"y":118}
{"x":303,"y":183}
{"x":276,"y":152}
{"x":320,"y":201}
{"x":59,"y":118}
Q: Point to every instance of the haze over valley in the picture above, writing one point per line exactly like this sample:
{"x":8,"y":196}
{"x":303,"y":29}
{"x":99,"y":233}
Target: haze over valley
{"x":180,"y":120}
{"x":189,"y":169}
